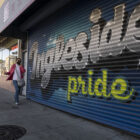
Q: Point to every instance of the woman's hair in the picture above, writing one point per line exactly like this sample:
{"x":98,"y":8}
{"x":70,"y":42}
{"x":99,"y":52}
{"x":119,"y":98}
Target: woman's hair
{"x":18,"y":58}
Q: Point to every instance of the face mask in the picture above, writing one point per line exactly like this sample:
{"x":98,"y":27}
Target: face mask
{"x":18,"y":62}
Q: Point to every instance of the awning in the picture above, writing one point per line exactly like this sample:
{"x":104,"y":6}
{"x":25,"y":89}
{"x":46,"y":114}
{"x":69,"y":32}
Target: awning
{"x":7,"y":43}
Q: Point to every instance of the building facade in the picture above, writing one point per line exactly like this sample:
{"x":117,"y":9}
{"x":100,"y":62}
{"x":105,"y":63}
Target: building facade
{"x":84,"y":59}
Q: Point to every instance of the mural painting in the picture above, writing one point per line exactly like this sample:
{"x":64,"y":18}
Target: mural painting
{"x":76,"y":52}
{"x":90,"y":67}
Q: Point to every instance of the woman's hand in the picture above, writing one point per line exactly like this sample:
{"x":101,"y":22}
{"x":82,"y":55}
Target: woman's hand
{"x":6,"y":73}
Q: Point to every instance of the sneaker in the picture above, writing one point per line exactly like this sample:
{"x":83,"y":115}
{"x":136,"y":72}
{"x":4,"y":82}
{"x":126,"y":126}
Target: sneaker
{"x":17,"y":103}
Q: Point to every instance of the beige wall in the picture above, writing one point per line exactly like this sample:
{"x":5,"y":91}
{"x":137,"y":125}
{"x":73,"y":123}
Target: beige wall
{"x":9,"y":62}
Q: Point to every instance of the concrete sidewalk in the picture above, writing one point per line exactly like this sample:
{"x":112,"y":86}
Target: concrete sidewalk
{"x":8,"y":85}
{"x":44,"y":123}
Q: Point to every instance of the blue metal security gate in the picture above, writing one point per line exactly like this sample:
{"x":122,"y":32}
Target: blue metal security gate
{"x":85,"y":59}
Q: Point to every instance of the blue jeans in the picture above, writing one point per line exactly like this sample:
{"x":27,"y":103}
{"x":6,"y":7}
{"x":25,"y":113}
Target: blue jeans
{"x":17,"y":90}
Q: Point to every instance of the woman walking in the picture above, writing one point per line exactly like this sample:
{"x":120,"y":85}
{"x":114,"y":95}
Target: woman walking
{"x":16,"y":74}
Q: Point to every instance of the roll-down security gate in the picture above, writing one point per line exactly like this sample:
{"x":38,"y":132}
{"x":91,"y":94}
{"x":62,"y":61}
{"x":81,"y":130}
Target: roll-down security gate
{"x":85,"y":59}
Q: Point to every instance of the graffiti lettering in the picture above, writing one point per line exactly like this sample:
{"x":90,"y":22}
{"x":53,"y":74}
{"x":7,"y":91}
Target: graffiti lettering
{"x":33,"y":56}
{"x":68,"y":54}
{"x":132,"y":38}
{"x":49,"y":58}
{"x":58,"y":52}
{"x":104,"y":41}
{"x":119,"y":88}
{"x":111,"y":35}
{"x":81,"y":55}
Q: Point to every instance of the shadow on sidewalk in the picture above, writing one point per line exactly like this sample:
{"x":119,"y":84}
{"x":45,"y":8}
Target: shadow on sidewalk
{"x":7,"y":100}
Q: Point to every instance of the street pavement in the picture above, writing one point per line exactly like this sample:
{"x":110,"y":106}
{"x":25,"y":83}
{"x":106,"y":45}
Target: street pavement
{"x":8,"y":85}
{"x":45,"y":123}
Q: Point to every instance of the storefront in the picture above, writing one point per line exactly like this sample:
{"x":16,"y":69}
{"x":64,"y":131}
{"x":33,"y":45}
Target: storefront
{"x":9,"y":51}
{"x":12,"y":40}
{"x":84,"y":59}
